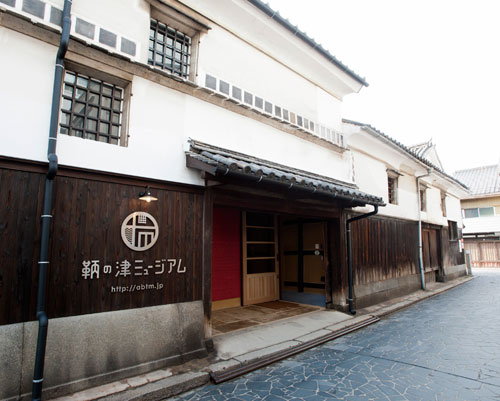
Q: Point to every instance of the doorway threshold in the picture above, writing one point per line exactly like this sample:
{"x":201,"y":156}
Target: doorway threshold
{"x":228,"y":320}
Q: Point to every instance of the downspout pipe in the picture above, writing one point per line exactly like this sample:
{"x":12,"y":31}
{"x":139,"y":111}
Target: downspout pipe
{"x":348,"y":222}
{"x":46,"y":217}
{"x":420,"y":252}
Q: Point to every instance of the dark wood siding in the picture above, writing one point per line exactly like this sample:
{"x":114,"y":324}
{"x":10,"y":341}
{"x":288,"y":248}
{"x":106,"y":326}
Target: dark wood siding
{"x":383,"y":248}
{"x":451,"y":251}
{"x":88,"y":214}
{"x":20,"y":194}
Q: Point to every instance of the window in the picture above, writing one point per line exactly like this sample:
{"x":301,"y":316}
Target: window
{"x":423,"y":206}
{"x":169,"y":49}
{"x":392,"y":184}
{"x":452,"y":230}
{"x":479,"y":212}
{"x":92,"y":109}
{"x":486,"y":211}
{"x":443,"y":203}
{"x":175,"y":32}
{"x":471,"y":213}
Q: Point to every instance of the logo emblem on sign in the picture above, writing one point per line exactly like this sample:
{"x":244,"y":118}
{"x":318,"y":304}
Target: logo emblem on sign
{"x":139,"y":231}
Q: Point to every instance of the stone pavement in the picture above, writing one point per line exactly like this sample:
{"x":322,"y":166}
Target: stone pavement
{"x":446,"y":348}
{"x":337,"y":369}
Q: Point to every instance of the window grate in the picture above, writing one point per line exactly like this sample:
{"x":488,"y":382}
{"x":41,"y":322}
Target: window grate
{"x":169,"y":49}
{"x":91,"y":109}
{"x":391,"y":183}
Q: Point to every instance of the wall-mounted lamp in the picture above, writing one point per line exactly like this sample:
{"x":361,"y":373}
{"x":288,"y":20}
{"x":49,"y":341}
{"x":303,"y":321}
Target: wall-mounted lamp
{"x":146,"y":196}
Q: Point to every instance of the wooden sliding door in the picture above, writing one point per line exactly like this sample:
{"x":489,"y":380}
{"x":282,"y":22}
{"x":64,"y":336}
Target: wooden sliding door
{"x":260,"y":261}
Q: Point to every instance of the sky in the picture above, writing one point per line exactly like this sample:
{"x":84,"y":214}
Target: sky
{"x":432,"y":66}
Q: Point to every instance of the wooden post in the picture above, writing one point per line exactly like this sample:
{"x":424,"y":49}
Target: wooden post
{"x":207,"y":264}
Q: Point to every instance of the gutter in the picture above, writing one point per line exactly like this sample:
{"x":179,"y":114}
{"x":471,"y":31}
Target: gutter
{"x":420,"y":254}
{"x":349,"y":255}
{"x":46,"y":217}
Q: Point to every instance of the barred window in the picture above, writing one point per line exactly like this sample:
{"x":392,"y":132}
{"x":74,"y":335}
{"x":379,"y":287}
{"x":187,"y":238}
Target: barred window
{"x":423,"y":200}
{"x":392,"y":187}
{"x":91,"y":109}
{"x":169,"y":49}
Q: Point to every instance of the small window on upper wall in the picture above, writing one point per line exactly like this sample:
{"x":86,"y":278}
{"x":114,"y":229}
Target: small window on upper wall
{"x":423,"y":199}
{"x":93,"y":108}
{"x":392,"y":186}
{"x":174,"y":36}
{"x":443,"y":203}
{"x":169,"y":49}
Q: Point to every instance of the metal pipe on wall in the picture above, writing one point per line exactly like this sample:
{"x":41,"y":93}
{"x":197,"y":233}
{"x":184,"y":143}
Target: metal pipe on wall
{"x":349,"y":255}
{"x":420,"y":253}
{"x":46,"y":217}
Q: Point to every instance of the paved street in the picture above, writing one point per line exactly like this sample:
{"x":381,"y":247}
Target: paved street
{"x":444,"y":348}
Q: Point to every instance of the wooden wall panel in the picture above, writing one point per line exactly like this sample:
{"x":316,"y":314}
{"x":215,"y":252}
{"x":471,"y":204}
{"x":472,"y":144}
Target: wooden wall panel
{"x":484,"y":252}
{"x":20,"y":200}
{"x":383,"y":248}
{"x":88,"y":215}
{"x":450,"y":250}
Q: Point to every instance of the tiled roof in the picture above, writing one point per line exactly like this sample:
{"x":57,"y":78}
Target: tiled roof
{"x":481,"y":180}
{"x":406,"y":149}
{"x":310,"y":41}
{"x":223,"y":162}
{"x":421,"y":149}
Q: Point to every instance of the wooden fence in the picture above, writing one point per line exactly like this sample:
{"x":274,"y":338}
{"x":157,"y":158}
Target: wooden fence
{"x":484,"y":253}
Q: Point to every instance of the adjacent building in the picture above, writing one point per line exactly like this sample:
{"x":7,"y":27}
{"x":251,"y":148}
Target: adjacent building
{"x":197,"y":160}
{"x":414,"y":239}
{"x":481,"y":212}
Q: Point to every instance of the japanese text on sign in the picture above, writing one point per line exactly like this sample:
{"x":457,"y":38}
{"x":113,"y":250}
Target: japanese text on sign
{"x":91,"y":269}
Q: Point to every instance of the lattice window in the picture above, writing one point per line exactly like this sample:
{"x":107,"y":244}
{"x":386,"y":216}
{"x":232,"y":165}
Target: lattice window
{"x":91,"y":109}
{"x":392,"y":187}
{"x":423,"y":199}
{"x":169,"y":49}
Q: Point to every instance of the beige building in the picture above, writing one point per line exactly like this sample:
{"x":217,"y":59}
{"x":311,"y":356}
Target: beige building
{"x":481,"y":212}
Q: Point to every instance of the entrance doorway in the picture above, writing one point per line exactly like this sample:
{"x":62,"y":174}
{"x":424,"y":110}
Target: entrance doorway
{"x":260,"y":258}
{"x":303,"y":262}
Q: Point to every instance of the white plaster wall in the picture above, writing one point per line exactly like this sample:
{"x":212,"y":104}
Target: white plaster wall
{"x":224,"y":54}
{"x":371,"y":177}
{"x":223,"y":128}
{"x":372,"y":158}
{"x":132,"y":23}
{"x":156,"y":143}
{"x":160,"y":129}
{"x":246,"y":21}
{"x":453,"y":210}
{"x":161,"y":121}
{"x":25,"y":95}
{"x":329,"y":110}
{"x":229,"y":58}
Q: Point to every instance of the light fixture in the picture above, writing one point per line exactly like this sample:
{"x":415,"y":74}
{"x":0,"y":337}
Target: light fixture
{"x":146,"y":196}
